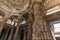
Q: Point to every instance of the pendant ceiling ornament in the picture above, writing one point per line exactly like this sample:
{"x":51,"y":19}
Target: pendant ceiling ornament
{"x":15,"y":6}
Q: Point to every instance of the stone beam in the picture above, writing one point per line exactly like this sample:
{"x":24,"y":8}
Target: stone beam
{"x":53,"y":17}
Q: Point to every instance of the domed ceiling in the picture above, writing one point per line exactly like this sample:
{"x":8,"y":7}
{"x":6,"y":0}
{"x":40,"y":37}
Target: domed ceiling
{"x":15,"y":6}
{"x":11,"y":5}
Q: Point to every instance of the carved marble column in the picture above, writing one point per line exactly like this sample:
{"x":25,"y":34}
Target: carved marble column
{"x":41,"y":30}
{"x":17,"y":29}
{"x":30,"y":23}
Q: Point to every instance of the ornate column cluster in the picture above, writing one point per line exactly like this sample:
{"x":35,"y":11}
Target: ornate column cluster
{"x":30,"y":23}
{"x":41,"y":30}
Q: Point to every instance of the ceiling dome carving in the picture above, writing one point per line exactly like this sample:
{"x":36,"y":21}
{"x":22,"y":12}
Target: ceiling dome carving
{"x":15,"y":3}
{"x":15,"y":7}
{"x":11,"y":5}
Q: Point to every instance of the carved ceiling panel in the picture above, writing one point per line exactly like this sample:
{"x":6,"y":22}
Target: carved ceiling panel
{"x":14,"y":6}
{"x":18,"y":4}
